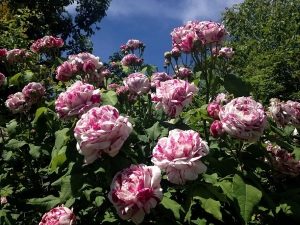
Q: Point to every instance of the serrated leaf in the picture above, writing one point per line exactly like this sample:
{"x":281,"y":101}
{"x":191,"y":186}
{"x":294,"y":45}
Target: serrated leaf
{"x":156,"y":131}
{"x":173,"y":206}
{"x":247,"y":197}
{"x":109,"y":98}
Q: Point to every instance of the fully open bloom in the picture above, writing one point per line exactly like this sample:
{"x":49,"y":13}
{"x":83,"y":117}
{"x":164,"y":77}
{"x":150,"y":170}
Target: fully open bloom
{"x":243,"y":118}
{"x":101,"y":130}
{"x":277,"y":112}
{"x":17,"y":103}
{"x":76,"y":100}
{"x":173,"y":95}
{"x":45,"y":43}
{"x":133,"y":44}
{"x":135,"y":190}
{"x":293,"y":111}
{"x":59,"y":216}
{"x":137,"y":83}
{"x":179,"y":155}
{"x":34,"y":91}
{"x":16,"y":55}
{"x":184,"y":72}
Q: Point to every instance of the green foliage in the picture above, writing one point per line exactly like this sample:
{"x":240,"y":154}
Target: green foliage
{"x":266,"y":39}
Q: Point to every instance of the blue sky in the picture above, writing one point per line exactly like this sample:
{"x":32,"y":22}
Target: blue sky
{"x":151,"y":21}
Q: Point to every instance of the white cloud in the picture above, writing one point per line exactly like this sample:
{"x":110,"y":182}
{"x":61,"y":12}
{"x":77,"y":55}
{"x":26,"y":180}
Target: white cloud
{"x":71,"y":8}
{"x":181,"y":10}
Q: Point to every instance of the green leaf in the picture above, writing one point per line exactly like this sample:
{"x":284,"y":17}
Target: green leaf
{"x":6,"y":191}
{"x":47,"y":202}
{"x":109,"y":98}
{"x":235,"y":85}
{"x":247,"y":197}
{"x":15,"y":144}
{"x":22,"y":77}
{"x":38,"y":113}
{"x":173,"y":206}
{"x":156,"y":131}
{"x":99,"y":200}
{"x":11,"y":127}
{"x":211,"y":206}
{"x":109,"y":217}
{"x":34,"y":151}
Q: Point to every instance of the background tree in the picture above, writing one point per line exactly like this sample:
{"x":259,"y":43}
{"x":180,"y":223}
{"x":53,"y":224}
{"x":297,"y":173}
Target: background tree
{"x":266,"y":37}
{"x":52,"y":18}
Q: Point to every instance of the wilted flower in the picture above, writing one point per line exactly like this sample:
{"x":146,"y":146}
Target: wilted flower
{"x":243,"y":118}
{"x":179,"y":155}
{"x":216,"y":128}
{"x":17,"y":103}
{"x":59,"y":216}
{"x":175,"y":52}
{"x":293,"y":111}
{"x":133,"y":44}
{"x":45,"y":43}
{"x":283,"y":161}
{"x":173,"y":95}
{"x":226,"y":52}
{"x":158,"y":77}
{"x":2,"y":79}
{"x":277,"y":112}
{"x":137,"y":83}
{"x":101,"y":130}
{"x":131,"y":60}
{"x":76,"y":100}
{"x":135,"y":190}
{"x":34,"y":91}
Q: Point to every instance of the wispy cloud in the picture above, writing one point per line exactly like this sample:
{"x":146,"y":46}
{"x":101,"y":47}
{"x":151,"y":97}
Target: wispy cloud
{"x":181,"y":10}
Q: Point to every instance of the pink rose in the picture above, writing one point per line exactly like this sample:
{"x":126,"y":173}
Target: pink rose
{"x":226,"y":52}
{"x":175,"y":52}
{"x":211,"y":32}
{"x":34,"y":91}
{"x":65,"y":71}
{"x":173,"y":95}
{"x":184,"y":73}
{"x":133,"y":44}
{"x":16,"y":55}
{"x":137,"y":83}
{"x":277,"y":112}
{"x":3,"y":52}
{"x":2,"y":79}
{"x":293,"y":111}
{"x":131,"y":60}
{"x":216,"y":128}
{"x":179,"y":155}
{"x":243,"y":118}
{"x":135,"y":190}
{"x":283,"y":161}
{"x":113,"y":86}
{"x":122,"y":90}
{"x":17,"y":103}
{"x":158,"y":77}
{"x":77,"y":99}
{"x":222,"y":99}
{"x":101,"y":130}
{"x":59,"y":216}
{"x":45,"y":43}
{"x":213,"y":110}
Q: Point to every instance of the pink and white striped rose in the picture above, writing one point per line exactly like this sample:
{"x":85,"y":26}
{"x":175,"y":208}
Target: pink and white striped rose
{"x":131,"y":60}
{"x":76,"y":100}
{"x":34,"y":91}
{"x":46,"y":42}
{"x":135,"y":190}
{"x":17,"y":103}
{"x":158,"y":77}
{"x":173,"y":95}
{"x":243,"y":118}
{"x":101,"y":130}
{"x":59,"y":216}
{"x":179,"y":155}
{"x":292,"y":109}
{"x":137,"y":83}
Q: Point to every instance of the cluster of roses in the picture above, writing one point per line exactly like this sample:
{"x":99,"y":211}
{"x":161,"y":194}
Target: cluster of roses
{"x":284,"y":113}
{"x":129,"y":49}
{"x":82,"y":63}
{"x":14,"y":55}
{"x":21,"y":102}
{"x":45,"y":43}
